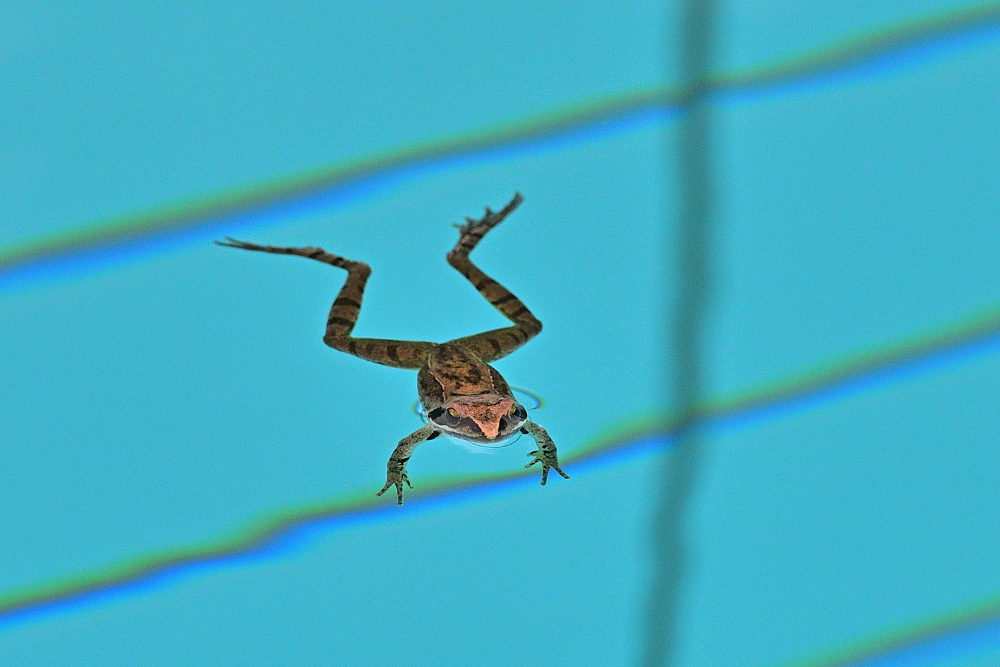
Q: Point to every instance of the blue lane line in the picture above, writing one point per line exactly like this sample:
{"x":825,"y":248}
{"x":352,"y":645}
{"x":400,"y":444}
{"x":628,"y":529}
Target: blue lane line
{"x":961,"y":642}
{"x":73,"y":262}
{"x":294,"y":538}
{"x":965,"y":643}
{"x":366,"y":186}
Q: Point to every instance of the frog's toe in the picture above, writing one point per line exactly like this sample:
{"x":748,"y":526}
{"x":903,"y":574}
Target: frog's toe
{"x":399,"y":491}
{"x":547,"y":464}
{"x":471,"y":229}
{"x":538,"y":458}
{"x":397,"y":480}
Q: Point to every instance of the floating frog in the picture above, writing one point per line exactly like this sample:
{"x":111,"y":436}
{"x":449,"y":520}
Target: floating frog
{"x":462,"y":395}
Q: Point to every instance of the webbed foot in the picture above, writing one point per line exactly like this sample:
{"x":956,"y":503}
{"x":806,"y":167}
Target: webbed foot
{"x":395,"y":469}
{"x":548,"y":461}
{"x":396,"y":478}
{"x":546,"y":452}
{"x":474,"y":230}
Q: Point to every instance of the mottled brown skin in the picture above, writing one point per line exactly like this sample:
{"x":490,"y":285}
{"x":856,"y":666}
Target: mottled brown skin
{"x":462,"y":394}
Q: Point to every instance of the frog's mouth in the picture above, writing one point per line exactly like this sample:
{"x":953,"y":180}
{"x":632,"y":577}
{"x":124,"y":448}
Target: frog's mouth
{"x":483,"y":418}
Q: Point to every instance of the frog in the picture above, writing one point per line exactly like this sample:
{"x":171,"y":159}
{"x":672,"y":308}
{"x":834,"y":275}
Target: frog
{"x":461,"y":394}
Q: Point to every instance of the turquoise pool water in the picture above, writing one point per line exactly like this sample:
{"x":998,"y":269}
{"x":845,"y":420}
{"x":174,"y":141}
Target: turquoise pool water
{"x":187,"y":471}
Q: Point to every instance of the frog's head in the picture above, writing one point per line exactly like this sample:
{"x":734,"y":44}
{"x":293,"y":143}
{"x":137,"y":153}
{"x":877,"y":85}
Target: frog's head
{"x":481,"y":418}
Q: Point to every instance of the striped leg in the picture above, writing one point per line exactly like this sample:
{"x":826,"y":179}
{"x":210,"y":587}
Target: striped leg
{"x":395,"y":469}
{"x":492,"y":345}
{"x":347,"y":307}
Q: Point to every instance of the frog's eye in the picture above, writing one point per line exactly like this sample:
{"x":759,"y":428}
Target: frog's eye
{"x":442,"y":417}
{"x":513,"y":409}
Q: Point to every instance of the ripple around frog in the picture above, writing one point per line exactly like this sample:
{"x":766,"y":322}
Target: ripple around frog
{"x":529,"y":400}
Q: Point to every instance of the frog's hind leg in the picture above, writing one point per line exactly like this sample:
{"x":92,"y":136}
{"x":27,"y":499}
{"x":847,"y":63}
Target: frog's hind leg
{"x":492,"y":345}
{"x":347,"y":307}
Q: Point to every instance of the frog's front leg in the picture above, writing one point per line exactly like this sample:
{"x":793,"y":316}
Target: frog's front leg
{"x":546,"y":452}
{"x":396,"y":467}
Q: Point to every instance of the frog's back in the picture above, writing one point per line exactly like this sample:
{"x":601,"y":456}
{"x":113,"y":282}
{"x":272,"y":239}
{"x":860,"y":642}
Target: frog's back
{"x":452,"y":371}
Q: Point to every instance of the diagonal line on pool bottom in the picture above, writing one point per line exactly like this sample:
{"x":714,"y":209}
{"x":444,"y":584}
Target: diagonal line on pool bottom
{"x":615,"y":112}
{"x":266,"y":538}
{"x":969,"y":622}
